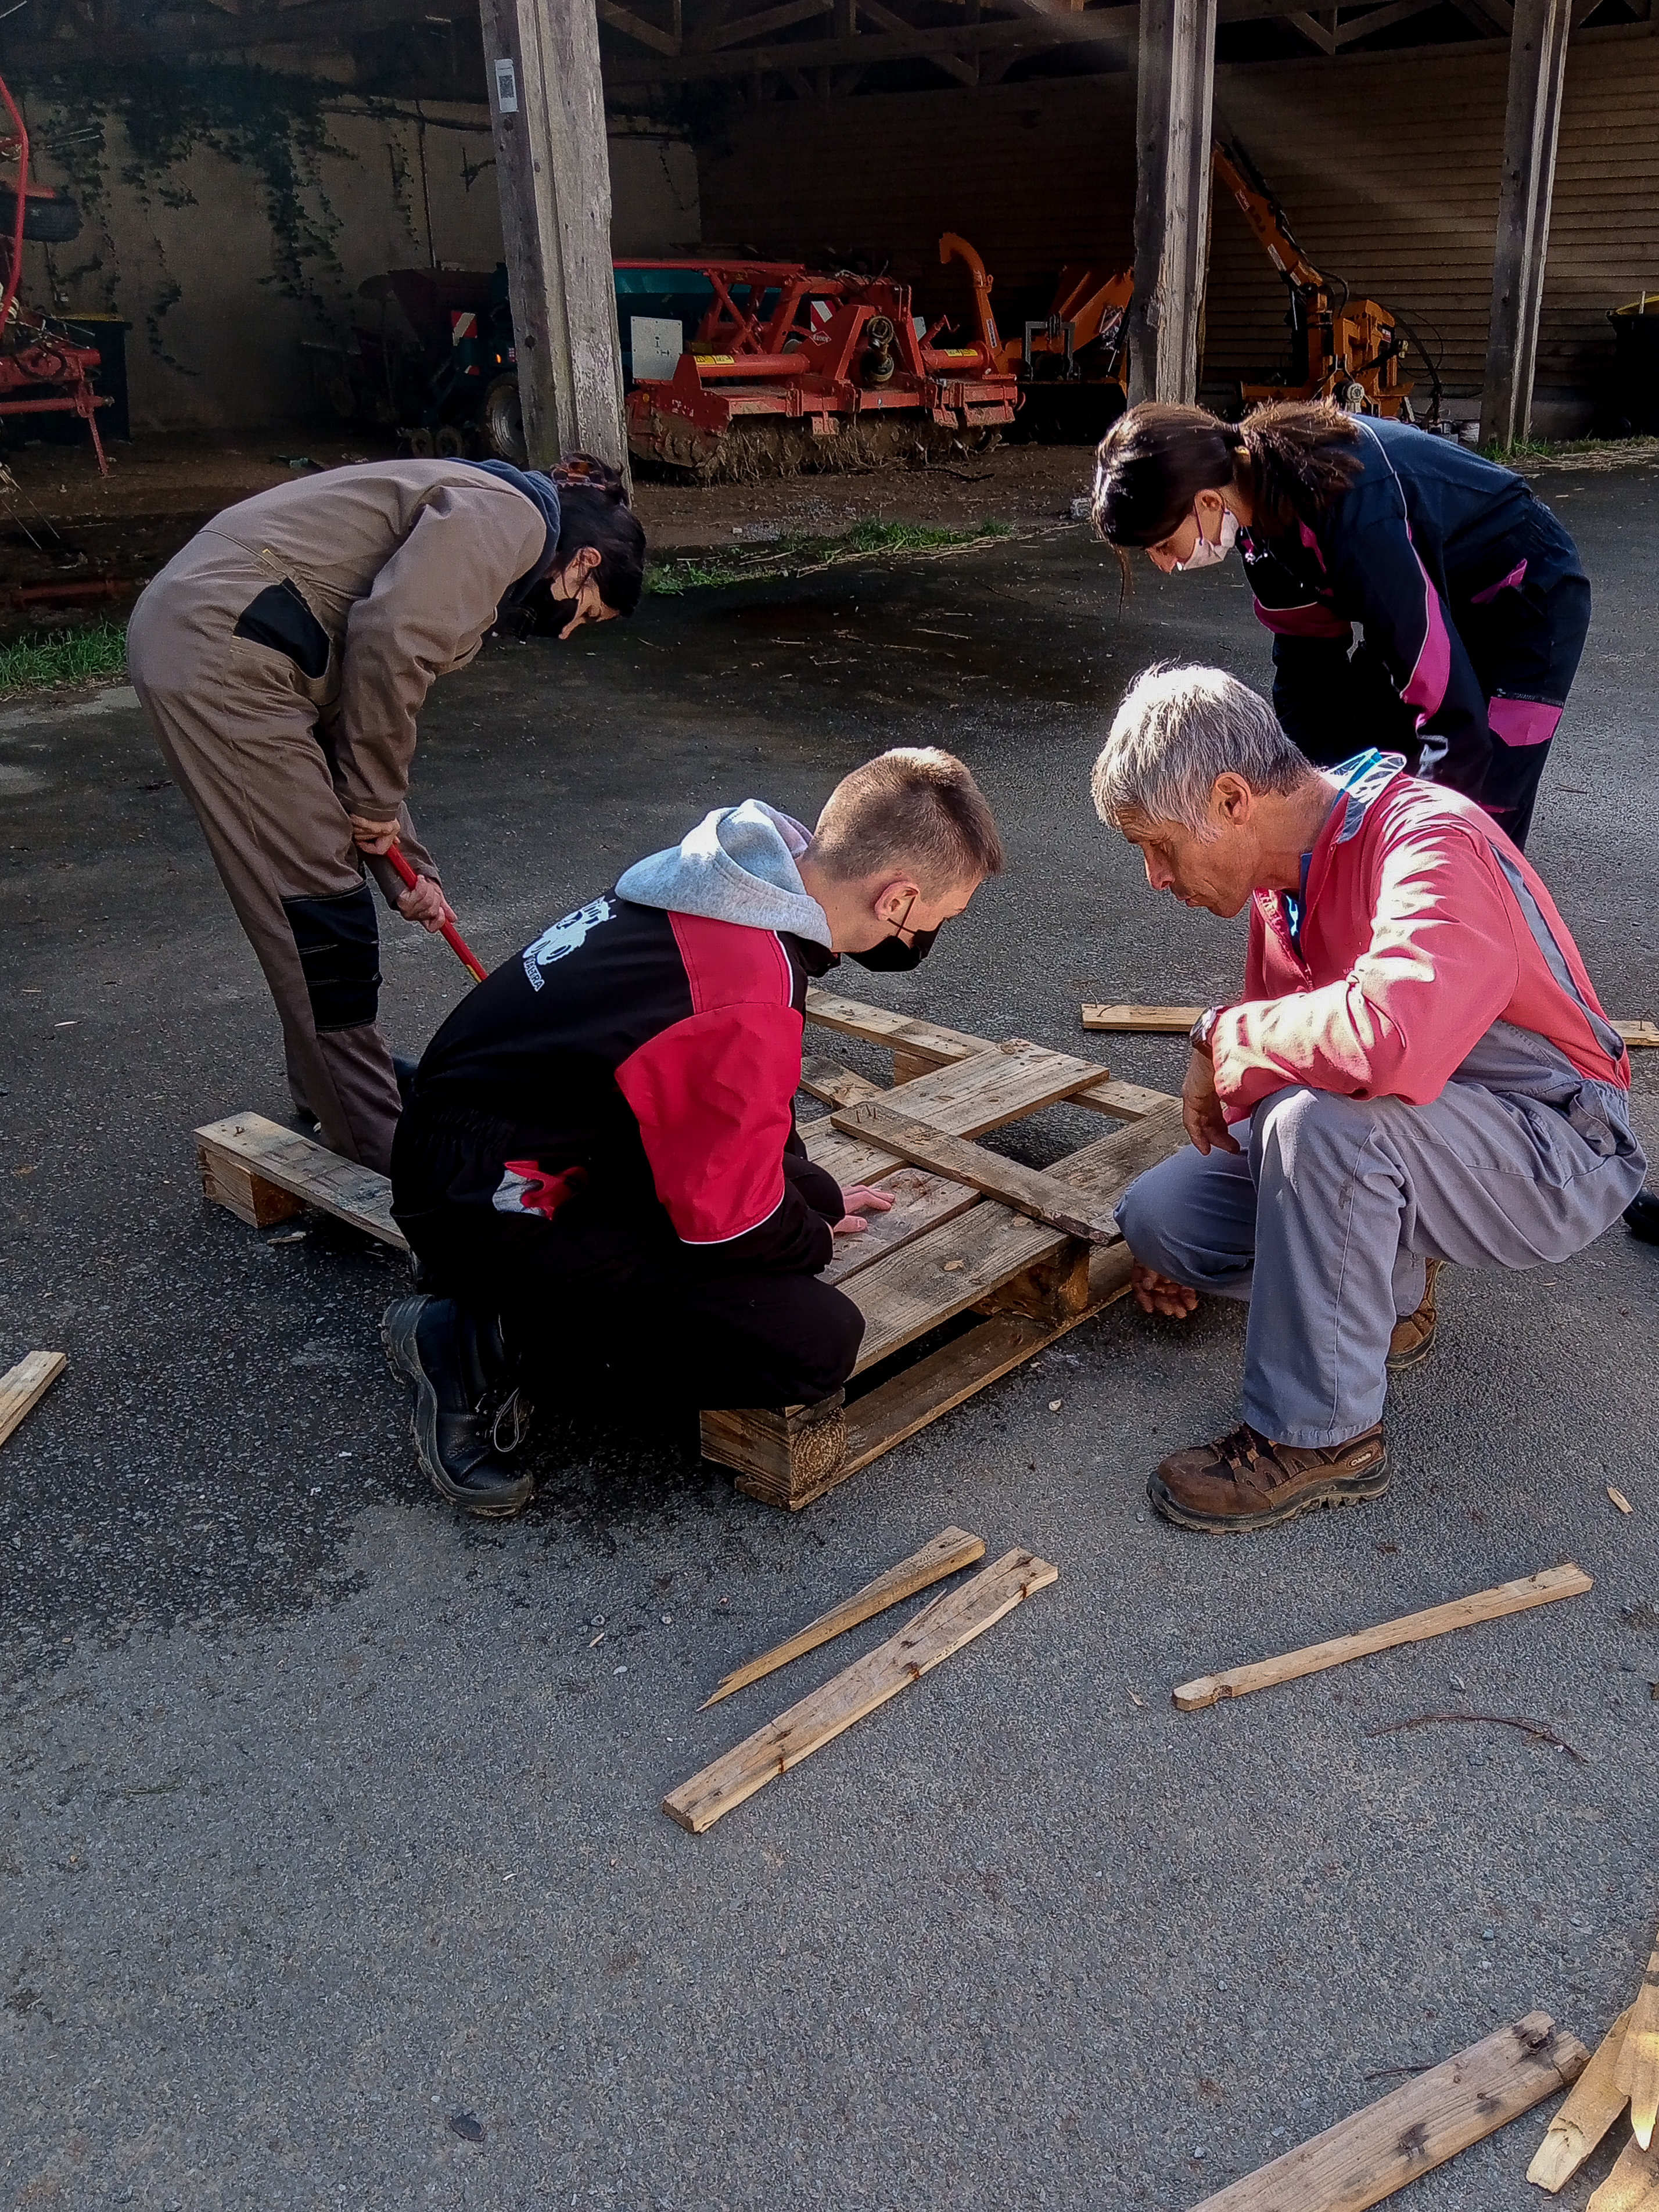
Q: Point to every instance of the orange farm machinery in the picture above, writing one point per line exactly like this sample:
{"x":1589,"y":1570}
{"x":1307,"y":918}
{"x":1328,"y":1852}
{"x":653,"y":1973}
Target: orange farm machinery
{"x":791,"y":369}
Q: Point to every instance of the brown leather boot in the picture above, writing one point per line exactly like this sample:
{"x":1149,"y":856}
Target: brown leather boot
{"x":1246,"y":1481}
{"x":1414,"y":1337}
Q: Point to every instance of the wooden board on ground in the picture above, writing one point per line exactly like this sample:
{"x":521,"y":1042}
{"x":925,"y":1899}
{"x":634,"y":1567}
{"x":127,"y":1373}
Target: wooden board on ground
{"x":1633,"y":2184}
{"x":1141,"y":1021}
{"x":23,"y":1387}
{"x":942,"y":1555}
{"x":1640,"y":1036}
{"x":1638,"y":2070}
{"x":1543,"y":1588}
{"x":940,"y":1628}
{"x":1589,"y":2109}
{"x":266,"y":1173}
{"x":1368,"y":2156}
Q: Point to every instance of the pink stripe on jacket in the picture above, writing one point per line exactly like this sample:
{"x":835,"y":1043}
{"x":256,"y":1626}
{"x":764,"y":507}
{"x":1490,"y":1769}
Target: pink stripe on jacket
{"x":1413,"y":944}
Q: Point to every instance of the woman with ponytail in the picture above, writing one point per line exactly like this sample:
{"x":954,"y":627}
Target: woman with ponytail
{"x":283,"y":656}
{"x":1470,"y":594}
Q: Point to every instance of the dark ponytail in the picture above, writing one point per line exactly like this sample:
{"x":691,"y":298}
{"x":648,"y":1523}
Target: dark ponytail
{"x":1304,"y":456}
{"x":593,"y":510}
{"x":1289,"y":459}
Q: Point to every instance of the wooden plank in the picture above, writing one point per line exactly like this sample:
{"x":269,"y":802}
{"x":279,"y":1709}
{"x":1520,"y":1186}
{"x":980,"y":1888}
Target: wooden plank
{"x":944,"y":1047}
{"x":1592,"y":2105}
{"x":920,"y":1202}
{"x":250,"y":1144}
{"x":1633,"y":2184}
{"x":1142,"y":1021}
{"x":1640,"y":1036}
{"x":952,"y":1620}
{"x":1637,"y":2072}
{"x":880,"y":1025}
{"x":1415,"y":2128}
{"x":832,"y":1084}
{"x":940,"y":1556}
{"x":23,"y":1387}
{"x":1028,"y":1190}
{"x":943,"y":1272}
{"x":1542,"y":1588}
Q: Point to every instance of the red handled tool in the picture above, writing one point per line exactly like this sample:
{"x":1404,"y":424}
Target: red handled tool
{"x":452,"y":938}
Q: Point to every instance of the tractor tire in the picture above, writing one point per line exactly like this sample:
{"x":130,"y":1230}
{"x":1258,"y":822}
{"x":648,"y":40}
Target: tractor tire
{"x":500,"y":422}
{"x":52,"y":222}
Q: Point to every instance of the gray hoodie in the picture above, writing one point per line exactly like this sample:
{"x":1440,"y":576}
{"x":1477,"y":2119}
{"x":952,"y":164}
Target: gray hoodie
{"x":737,"y":865}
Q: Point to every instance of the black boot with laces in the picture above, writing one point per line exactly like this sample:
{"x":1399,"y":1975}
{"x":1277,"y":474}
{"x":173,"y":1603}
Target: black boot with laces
{"x":468,"y":1416}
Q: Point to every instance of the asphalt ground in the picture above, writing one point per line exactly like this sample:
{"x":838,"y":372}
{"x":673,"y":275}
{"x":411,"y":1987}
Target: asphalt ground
{"x":332,"y":1866}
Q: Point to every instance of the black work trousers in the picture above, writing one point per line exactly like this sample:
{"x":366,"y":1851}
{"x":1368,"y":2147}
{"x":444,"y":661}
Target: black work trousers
{"x":610,"y":1313}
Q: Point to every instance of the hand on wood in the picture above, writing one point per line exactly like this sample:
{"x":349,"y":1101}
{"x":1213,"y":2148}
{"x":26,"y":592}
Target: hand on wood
{"x":1156,"y":1293}
{"x":425,"y":903}
{"x":1201,"y":1109}
{"x":859,"y":1200}
{"x":373,"y":836}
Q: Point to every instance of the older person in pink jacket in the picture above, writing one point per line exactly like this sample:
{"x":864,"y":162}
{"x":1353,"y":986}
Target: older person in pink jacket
{"x":1416,"y":1070}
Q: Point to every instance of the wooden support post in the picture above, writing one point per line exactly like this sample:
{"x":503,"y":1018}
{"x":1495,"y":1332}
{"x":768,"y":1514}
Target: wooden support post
{"x":786,"y":1456}
{"x":1537,"y":66}
{"x":1174,"y":99}
{"x":547,"y":112}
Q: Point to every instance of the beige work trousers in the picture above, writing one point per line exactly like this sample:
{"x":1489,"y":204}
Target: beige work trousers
{"x":246,"y":735}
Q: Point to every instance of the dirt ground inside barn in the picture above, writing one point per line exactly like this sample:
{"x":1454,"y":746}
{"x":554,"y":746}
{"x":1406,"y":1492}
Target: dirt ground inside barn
{"x":331,"y":1864}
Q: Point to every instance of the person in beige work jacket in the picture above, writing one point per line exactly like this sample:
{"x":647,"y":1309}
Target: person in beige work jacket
{"x":282,"y":657}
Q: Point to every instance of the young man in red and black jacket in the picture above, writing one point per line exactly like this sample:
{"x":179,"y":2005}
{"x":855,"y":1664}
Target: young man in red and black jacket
{"x":598,"y":1169}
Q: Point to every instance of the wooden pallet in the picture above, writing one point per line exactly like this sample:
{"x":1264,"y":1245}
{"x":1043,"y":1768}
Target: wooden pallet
{"x":992,"y":1238}
{"x":948,"y":1247}
{"x":1641,"y":1035}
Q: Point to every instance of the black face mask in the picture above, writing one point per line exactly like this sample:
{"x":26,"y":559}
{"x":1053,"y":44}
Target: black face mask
{"x":893,"y":955}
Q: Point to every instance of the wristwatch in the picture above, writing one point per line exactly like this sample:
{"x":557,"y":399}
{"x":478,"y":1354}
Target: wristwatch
{"x":1203,"y":1030}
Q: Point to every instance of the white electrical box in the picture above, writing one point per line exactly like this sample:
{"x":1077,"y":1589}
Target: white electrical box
{"x":656,"y":342}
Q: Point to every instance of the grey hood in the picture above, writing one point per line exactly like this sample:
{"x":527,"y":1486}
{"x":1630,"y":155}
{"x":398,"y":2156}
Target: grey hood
{"x":737,"y":865}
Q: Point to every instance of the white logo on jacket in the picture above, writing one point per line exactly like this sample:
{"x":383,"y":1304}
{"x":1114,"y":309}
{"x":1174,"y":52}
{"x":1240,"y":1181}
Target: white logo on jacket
{"x":564,"y":937}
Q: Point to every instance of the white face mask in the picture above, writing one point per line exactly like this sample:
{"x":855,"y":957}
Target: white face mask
{"x":1204,"y":555}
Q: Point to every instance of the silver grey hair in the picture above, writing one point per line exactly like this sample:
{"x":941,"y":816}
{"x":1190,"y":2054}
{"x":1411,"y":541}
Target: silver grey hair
{"x":1177,"y":730}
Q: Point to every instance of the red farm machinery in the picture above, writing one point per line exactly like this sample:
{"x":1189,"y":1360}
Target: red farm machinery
{"x":42,"y":370}
{"x":790,"y":369}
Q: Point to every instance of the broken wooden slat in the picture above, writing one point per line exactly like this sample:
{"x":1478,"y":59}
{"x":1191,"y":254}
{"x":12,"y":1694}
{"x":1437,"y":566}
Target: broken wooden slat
{"x":1633,"y":2184}
{"x":1543,"y":1588}
{"x":1028,"y":1190}
{"x":832,"y":1084}
{"x":942,"y":1555}
{"x":1141,"y":1021}
{"x":952,"y":1620}
{"x":1638,"y":2070}
{"x":1592,"y":2105}
{"x":920,"y":1202}
{"x":1373,"y":2151}
{"x":23,"y":1387}
{"x":244,"y":1150}
{"x":1639,"y":1036}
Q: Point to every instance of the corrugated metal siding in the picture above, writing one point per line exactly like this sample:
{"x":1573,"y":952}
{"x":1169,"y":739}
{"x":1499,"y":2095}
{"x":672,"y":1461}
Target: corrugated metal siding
{"x":1388,"y":166}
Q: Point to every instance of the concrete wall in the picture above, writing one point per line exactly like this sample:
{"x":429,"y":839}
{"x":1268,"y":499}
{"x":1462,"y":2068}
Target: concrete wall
{"x":226,"y":258}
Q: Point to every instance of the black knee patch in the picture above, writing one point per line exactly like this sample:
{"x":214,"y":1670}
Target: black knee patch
{"x":280,"y":618}
{"x":339,"y":942}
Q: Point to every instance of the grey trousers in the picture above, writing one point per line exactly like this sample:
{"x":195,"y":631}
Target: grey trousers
{"x":243,"y":732}
{"x":1324,"y":1221}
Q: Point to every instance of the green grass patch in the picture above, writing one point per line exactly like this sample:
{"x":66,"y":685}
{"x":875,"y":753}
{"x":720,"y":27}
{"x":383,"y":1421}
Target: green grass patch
{"x":797,"y":554}
{"x":68,"y":656}
{"x":1611,"y":451}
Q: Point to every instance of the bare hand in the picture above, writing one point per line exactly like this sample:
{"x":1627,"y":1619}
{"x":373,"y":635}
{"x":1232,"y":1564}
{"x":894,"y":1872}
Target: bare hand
{"x":1200,"y":1109}
{"x":1158,"y":1294}
{"x":373,"y":836}
{"x":425,"y":903}
{"x":860,"y":1200}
